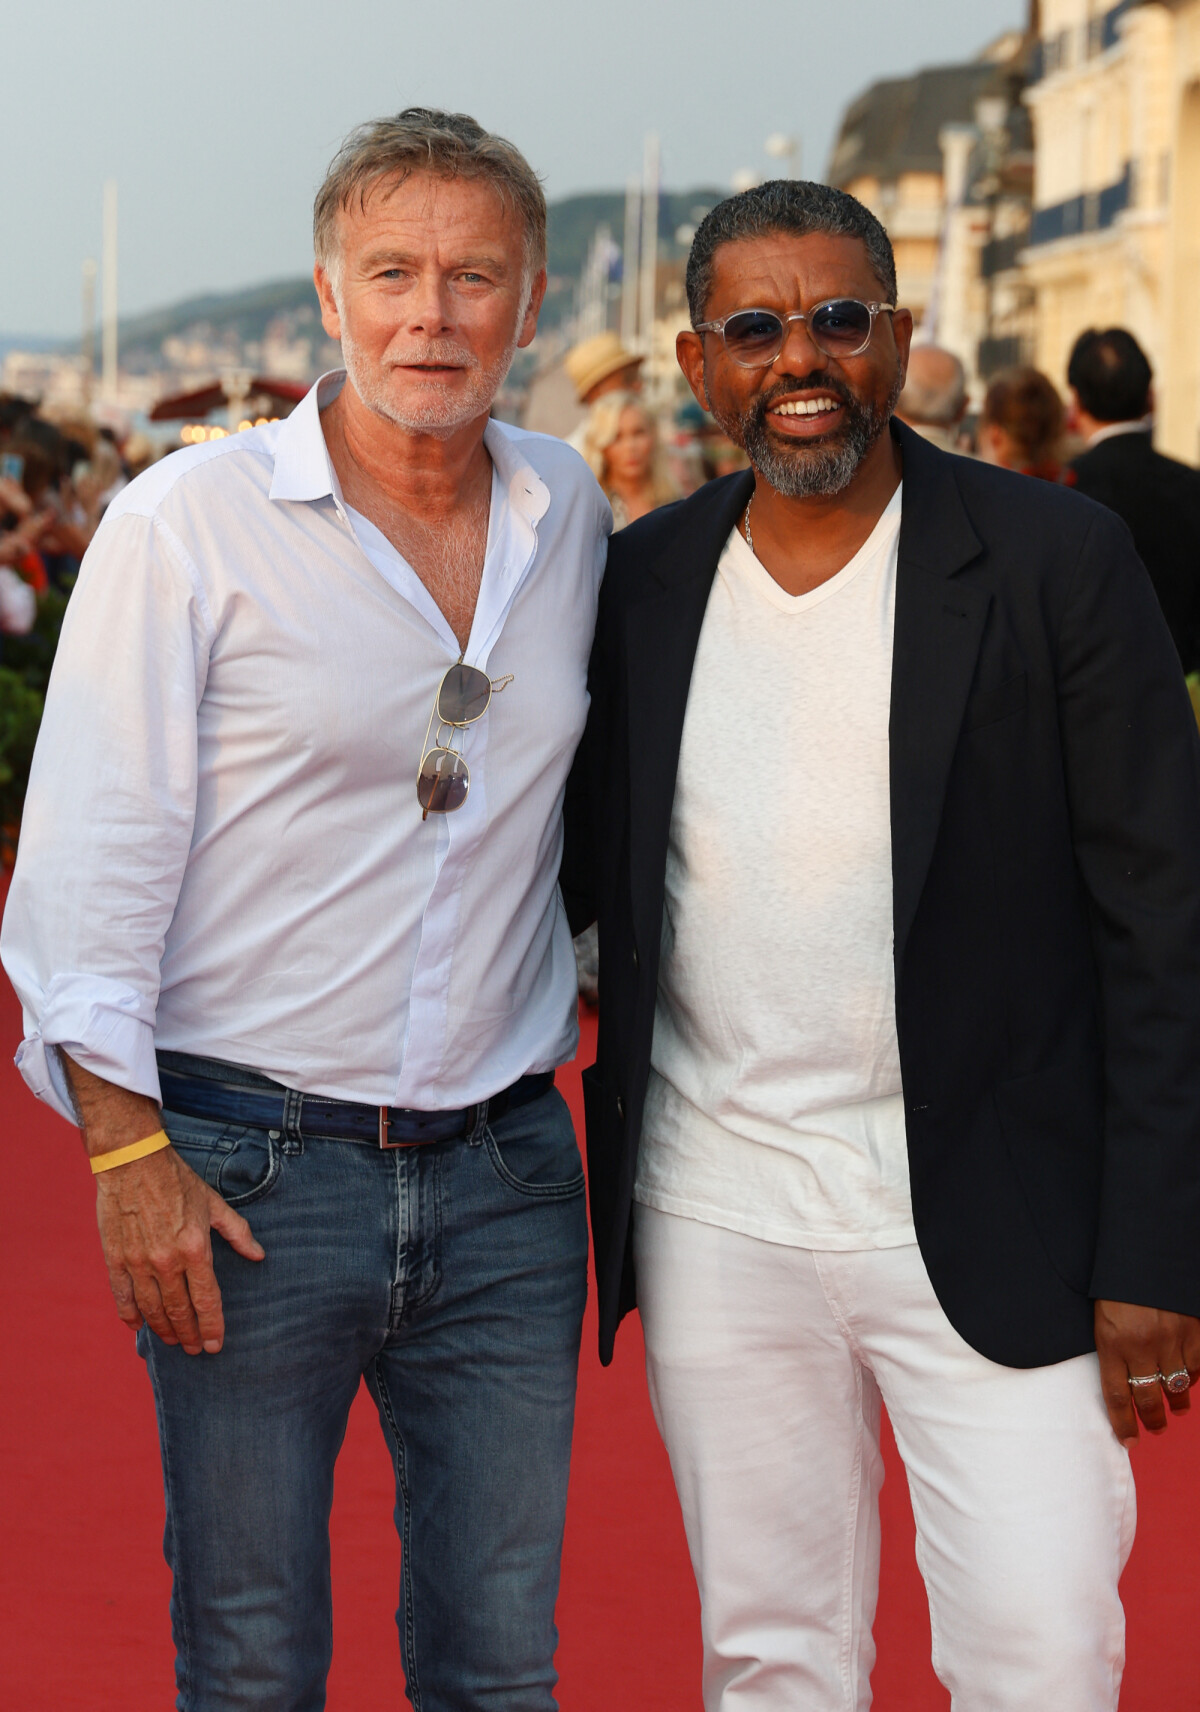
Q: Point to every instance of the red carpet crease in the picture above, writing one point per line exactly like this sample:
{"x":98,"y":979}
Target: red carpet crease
{"x":83,"y":1586}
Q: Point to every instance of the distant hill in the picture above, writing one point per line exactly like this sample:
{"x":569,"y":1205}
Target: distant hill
{"x":244,"y":315}
{"x":25,"y":342}
{"x":244,"y":312}
{"x":573,"y":220}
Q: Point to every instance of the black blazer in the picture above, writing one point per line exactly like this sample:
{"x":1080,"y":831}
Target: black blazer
{"x":1160,"y":501}
{"x":1045,"y":804}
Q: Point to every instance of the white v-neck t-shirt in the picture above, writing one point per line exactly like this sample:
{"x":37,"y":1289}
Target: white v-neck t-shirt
{"x":774,"y":1106}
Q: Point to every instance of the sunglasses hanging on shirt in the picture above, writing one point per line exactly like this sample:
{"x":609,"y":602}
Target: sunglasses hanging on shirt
{"x":464,"y":696}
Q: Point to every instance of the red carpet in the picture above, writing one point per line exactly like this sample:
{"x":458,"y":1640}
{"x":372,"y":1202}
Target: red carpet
{"x":83,"y":1587}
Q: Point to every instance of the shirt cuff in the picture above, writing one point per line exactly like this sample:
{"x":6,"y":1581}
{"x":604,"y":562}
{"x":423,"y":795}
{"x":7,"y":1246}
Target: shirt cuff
{"x":106,"y":1026}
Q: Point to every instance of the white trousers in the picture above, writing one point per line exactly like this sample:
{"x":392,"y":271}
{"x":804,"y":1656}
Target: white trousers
{"x":766,"y":1367}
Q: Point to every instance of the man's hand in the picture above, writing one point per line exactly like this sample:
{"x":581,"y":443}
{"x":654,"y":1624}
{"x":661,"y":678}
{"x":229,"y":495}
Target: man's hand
{"x":1138,"y":1343}
{"x":155,"y":1216}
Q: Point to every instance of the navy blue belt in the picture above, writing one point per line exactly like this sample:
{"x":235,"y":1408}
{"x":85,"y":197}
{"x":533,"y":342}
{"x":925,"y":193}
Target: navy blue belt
{"x":298,"y":1115}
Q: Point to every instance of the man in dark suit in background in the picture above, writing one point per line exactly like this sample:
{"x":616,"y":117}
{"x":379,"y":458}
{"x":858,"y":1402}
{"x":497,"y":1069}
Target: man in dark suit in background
{"x":1159,"y":498}
{"x":889,"y":804}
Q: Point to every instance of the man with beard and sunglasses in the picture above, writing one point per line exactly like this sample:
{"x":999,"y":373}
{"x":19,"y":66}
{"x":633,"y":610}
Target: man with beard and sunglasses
{"x":286,"y":927}
{"x":889,"y":805}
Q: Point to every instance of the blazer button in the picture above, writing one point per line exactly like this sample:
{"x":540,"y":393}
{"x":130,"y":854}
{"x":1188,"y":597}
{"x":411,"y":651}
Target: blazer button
{"x":620,"y":1107}
{"x":636,"y":962}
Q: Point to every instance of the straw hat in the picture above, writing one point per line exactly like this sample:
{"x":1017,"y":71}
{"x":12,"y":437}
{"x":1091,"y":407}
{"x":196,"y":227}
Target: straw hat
{"x":594,"y":360}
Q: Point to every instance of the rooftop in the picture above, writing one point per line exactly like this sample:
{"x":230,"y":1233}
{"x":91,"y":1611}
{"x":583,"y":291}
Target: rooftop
{"x":893,"y":127}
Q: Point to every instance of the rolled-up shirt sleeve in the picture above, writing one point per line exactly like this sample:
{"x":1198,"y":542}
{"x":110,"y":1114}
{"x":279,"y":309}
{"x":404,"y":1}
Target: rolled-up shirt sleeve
{"x":108,"y":815}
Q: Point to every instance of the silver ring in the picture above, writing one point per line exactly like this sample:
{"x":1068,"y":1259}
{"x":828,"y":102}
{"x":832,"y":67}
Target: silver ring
{"x":1178,"y":1382}
{"x":1146,"y":1379}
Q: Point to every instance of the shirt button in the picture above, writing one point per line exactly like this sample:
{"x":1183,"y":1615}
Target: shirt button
{"x":620,"y":1107}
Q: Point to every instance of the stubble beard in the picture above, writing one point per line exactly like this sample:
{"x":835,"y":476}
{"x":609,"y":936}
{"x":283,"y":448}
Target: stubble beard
{"x":440,"y":413}
{"x":809,"y":469}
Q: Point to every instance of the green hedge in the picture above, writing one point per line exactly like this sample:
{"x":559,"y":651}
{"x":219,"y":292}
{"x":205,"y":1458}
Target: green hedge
{"x":32,"y":656}
{"x":23,"y":679}
{"x":20,"y":716}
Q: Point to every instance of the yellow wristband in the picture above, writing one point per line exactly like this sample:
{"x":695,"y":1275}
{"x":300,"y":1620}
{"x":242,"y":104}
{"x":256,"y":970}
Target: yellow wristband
{"x":136,"y":1150}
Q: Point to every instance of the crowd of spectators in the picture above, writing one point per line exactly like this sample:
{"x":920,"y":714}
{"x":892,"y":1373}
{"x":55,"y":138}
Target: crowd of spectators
{"x":56,"y":478}
{"x":1097,"y":440}
{"x":59,"y":473}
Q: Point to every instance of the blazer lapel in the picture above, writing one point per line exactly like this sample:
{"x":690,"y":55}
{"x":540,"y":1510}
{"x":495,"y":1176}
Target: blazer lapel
{"x":661,"y":636}
{"x":938,"y":629}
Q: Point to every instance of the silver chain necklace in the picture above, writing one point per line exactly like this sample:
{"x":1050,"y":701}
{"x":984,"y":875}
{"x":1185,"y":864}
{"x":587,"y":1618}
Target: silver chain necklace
{"x":746,"y":524}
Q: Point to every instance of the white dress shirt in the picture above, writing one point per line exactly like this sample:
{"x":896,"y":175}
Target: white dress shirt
{"x":1111,"y":431}
{"x":222,"y":850}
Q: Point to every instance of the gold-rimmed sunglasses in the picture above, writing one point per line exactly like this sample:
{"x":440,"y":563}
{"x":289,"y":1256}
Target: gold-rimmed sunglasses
{"x":464,"y":696}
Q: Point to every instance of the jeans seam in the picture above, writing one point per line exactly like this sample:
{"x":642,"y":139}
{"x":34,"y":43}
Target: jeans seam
{"x":535,"y":1191}
{"x":260,"y":1190}
{"x":435,"y":1256}
{"x":1118,"y":1665}
{"x":855,"y":1495}
{"x":398,"y":1462}
{"x":178,"y":1579}
{"x":219,"y":1150}
{"x":852,"y":1345}
{"x":935,"y":1638}
{"x":835,"y":1311}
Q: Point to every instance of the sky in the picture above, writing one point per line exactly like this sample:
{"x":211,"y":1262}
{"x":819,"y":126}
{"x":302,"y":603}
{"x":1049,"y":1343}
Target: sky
{"x":217,"y":118}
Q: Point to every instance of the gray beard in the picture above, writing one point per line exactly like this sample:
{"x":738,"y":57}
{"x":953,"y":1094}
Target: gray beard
{"x":819,"y":469}
{"x":436,"y":415}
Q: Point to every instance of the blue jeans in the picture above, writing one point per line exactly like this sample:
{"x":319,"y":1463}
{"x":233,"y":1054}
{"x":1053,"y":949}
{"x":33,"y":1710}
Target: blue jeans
{"x":452,"y":1277}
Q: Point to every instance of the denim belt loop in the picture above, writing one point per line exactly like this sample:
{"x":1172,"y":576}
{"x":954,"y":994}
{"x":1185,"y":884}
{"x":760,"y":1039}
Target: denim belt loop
{"x":478,"y":1123}
{"x":293,"y":1105}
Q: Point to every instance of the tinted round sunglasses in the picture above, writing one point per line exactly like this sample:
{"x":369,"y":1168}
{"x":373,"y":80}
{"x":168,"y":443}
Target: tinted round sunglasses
{"x":464,"y":695}
{"x":841,"y":327}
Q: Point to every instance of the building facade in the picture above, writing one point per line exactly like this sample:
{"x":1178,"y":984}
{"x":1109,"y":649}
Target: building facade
{"x":889,"y":154}
{"x":982,"y":307}
{"x":1114,"y":240}
{"x":944,"y":158}
{"x":1178,"y":381}
{"x":1050,"y":186}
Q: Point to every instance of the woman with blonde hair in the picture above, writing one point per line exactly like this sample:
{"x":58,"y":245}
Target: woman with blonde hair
{"x":622,"y":447}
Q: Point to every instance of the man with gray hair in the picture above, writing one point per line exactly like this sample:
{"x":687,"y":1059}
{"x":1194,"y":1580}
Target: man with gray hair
{"x":934,"y":399}
{"x":287,"y":932}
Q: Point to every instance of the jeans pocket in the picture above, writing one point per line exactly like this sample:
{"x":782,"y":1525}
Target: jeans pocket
{"x":240,"y":1162}
{"x":533,"y":1150}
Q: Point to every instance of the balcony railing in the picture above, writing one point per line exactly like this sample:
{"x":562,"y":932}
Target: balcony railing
{"x":1108,"y":25}
{"x":1066,"y":47}
{"x":1000,"y":254}
{"x":1091,"y":212}
{"x":1004,"y":353}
